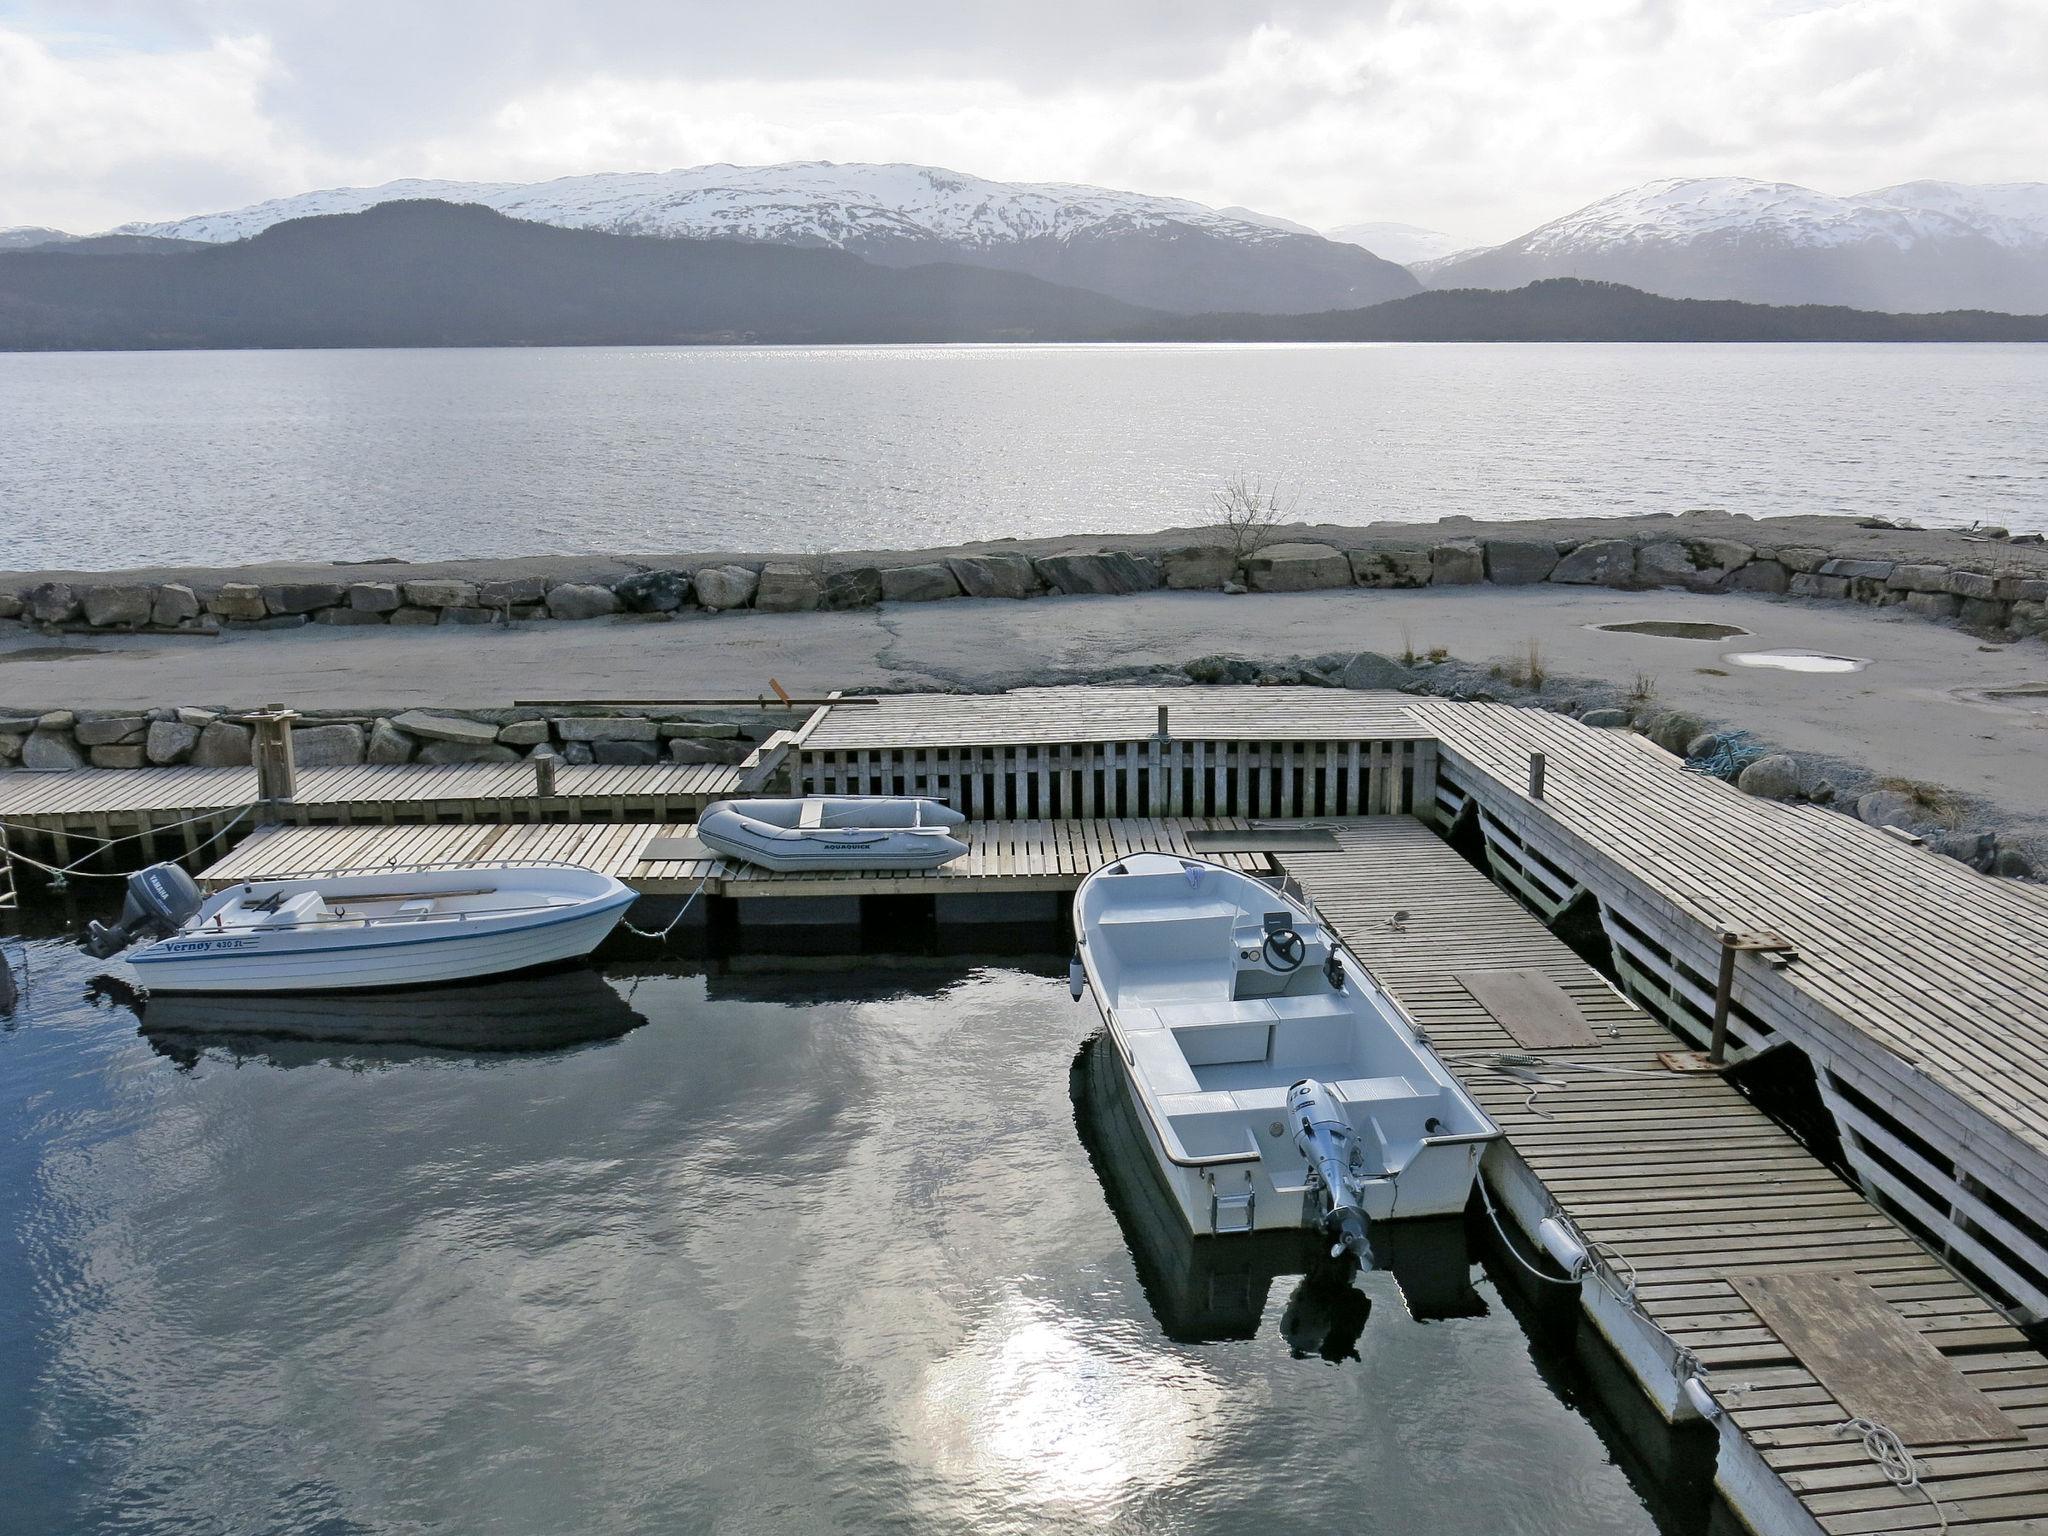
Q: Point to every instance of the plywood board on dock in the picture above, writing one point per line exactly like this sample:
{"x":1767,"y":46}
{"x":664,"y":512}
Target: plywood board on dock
{"x":1008,"y":856}
{"x":1691,"y":1182}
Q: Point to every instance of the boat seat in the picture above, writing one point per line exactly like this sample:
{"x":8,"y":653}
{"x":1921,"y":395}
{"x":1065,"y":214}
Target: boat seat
{"x":299,"y":907}
{"x":1207,"y":1124}
{"x":812,"y":815}
{"x":1160,"y":1063}
{"x":1214,"y":1012}
{"x":1364,"y":1090}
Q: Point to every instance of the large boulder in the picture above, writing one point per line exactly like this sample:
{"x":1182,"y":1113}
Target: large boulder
{"x":223,"y":744}
{"x":388,"y":744}
{"x":441,"y":594}
{"x":997,"y":575}
{"x":581,"y":600}
{"x":859,"y":587}
{"x":173,"y":604}
{"x":1698,"y":565}
{"x":446,"y":753}
{"x":1675,"y":731}
{"x":786,"y":587}
{"x":1934,"y":605}
{"x":302,"y":596}
{"x":111,"y":730}
{"x":654,"y":591}
{"x":170,"y":741}
{"x":107,"y":607}
{"x":1369,"y":669}
{"x":919,"y":584}
{"x":625,"y":754}
{"x":1397,"y":567}
{"x":725,"y":586}
{"x":356,"y":618}
{"x":127,"y":755}
{"x":605,"y":728}
{"x":683,"y":749}
{"x":10,"y":747}
{"x":237,"y":600}
{"x":50,"y":752}
{"x":1775,"y":777}
{"x":1102,"y":573}
{"x":1598,"y":563}
{"x":12,"y":605}
{"x":1762,"y":576}
{"x":52,"y":603}
{"x":1605,"y":719}
{"x":511,"y":590}
{"x":374,"y":596}
{"x":430,"y":726}
{"x":1918,"y":578}
{"x":1457,"y":563}
{"x":1296,"y":568}
{"x":1961,"y":583}
{"x":1519,"y":562}
{"x":327,"y":746}
{"x":1886,"y":808}
{"x":524,"y":733}
{"x":1198,"y":567}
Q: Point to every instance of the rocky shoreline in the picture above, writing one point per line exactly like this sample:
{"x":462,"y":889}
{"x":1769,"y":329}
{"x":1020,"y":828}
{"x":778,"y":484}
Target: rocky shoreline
{"x":1985,"y":581}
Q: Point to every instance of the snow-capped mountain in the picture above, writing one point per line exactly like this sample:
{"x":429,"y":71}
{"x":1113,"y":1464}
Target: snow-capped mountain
{"x":1158,"y":251}
{"x":23,"y":237}
{"x":1923,"y":245}
{"x":1405,"y":243}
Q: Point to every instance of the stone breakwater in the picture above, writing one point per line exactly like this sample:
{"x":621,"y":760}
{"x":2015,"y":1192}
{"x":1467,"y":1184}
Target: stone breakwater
{"x":1985,"y":582}
{"x":58,"y":740}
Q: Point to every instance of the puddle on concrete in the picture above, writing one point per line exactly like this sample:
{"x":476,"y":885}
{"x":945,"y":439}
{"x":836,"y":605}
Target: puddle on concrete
{"x":1797,"y":661}
{"x":1672,"y":629}
{"x":57,"y":653}
{"x":2028,"y":698}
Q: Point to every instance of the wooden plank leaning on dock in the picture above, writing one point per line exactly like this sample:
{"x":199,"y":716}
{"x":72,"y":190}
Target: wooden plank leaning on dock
{"x":1692,"y":1183}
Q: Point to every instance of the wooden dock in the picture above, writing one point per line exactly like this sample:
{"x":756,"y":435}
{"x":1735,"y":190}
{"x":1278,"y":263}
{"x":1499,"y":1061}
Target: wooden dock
{"x":1014,"y":856}
{"x":1692,"y":1184}
{"x":172,"y":811}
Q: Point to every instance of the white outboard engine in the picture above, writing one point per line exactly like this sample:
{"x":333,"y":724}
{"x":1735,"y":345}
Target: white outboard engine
{"x":161,"y":900}
{"x":1324,"y":1137}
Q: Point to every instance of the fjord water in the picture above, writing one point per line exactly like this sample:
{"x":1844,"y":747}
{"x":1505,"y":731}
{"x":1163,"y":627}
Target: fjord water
{"x":806,"y":1247}
{"x":111,"y":460}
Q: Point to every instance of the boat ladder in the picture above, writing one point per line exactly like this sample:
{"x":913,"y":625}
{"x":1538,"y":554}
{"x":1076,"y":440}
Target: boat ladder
{"x":1231,"y":1210}
{"x":8,"y":899}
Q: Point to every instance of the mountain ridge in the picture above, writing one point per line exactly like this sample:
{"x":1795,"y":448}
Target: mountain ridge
{"x":1157,"y":252}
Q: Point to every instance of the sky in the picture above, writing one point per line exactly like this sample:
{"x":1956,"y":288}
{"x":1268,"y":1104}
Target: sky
{"x":1482,"y":118}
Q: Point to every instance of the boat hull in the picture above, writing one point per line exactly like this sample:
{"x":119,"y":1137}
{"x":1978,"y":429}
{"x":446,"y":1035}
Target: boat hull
{"x":307,"y":961}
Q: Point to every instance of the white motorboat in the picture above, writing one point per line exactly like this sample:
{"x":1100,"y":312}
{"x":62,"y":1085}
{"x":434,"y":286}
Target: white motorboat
{"x":1277,"y":1085}
{"x":832,"y":832}
{"x":353,"y":930}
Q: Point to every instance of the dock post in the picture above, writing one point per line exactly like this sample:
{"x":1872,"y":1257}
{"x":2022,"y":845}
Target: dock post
{"x":544,"y":776}
{"x":1537,"y":763}
{"x":1724,"y":994}
{"x":1164,"y":733}
{"x":276,"y":768}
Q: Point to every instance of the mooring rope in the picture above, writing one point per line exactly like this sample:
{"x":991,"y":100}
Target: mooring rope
{"x":1883,"y":1445}
{"x":60,"y":876}
{"x":642,"y":933}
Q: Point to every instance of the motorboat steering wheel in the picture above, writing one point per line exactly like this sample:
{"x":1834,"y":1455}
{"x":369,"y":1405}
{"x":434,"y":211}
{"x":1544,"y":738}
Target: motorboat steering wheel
{"x":1285,"y":949}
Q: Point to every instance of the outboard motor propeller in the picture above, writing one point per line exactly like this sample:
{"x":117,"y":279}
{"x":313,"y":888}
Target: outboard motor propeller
{"x":161,"y":900}
{"x":1324,"y":1137}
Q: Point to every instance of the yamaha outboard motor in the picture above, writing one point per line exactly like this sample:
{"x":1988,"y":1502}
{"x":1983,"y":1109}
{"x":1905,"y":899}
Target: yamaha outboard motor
{"x":161,"y":900}
{"x":1324,"y":1138}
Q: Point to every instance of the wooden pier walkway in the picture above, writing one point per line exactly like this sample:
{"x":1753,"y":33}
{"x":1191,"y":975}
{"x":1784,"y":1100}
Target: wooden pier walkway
{"x":1692,"y":1184}
{"x":71,"y":808}
{"x":662,"y":858}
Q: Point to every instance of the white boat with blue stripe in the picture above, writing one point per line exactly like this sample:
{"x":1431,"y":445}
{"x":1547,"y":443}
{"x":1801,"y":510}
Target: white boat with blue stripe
{"x":355,"y":930}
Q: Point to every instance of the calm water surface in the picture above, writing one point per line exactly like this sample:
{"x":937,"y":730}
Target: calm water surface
{"x":118,"y":459}
{"x":812,"y":1248}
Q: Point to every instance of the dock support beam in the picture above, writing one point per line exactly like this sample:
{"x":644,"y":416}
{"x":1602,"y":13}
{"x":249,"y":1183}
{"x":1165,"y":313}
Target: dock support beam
{"x":277,"y":776}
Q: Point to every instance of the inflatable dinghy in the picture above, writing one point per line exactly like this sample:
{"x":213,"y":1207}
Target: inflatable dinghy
{"x":831,"y":832}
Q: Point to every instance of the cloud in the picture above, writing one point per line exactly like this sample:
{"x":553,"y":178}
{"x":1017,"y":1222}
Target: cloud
{"x":1483,"y":117}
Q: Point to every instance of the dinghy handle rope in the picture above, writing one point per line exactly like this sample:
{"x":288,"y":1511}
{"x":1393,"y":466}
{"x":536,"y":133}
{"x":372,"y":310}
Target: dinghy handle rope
{"x":642,"y":933}
{"x":1883,"y":1445}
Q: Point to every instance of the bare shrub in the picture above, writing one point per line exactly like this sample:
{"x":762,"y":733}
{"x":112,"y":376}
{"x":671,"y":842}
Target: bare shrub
{"x":1249,"y":512}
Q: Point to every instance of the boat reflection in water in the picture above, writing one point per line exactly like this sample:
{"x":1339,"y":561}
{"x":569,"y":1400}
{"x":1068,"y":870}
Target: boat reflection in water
{"x":1210,"y":1289}
{"x":539,"y":1011}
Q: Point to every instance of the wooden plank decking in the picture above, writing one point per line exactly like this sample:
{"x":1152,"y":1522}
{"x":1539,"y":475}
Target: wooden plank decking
{"x":1014,"y":856}
{"x":1692,"y":1183}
